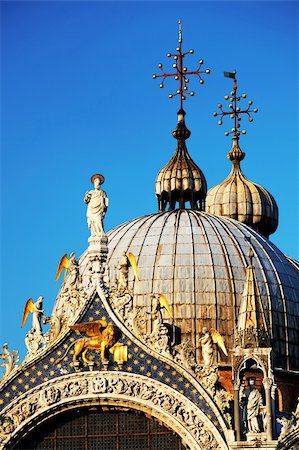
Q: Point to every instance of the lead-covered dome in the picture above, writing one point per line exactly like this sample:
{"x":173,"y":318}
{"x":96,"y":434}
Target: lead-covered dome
{"x":198,"y":261}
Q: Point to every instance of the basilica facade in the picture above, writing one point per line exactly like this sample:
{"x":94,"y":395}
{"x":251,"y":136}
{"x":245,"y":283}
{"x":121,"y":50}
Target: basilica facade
{"x":175,"y":330}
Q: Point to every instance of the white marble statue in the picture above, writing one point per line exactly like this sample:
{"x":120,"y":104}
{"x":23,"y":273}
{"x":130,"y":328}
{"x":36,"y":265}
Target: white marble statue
{"x":253,"y":403}
{"x":206,"y":342}
{"x":97,"y":204}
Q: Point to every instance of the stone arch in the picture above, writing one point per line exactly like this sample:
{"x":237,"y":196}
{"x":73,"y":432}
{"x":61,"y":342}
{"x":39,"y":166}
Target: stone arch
{"x":114,"y":389}
{"x":260,"y":364}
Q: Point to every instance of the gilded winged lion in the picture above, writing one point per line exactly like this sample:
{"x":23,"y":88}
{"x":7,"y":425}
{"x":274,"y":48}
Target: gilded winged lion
{"x":103,"y":336}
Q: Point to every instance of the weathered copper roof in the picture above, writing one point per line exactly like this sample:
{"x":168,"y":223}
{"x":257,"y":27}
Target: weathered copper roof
{"x":198,"y":261}
{"x":241,"y":199}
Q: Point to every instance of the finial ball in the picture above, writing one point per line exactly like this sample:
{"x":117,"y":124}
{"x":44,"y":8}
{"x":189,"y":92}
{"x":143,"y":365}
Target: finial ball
{"x":201,"y":81}
{"x":160,"y":66}
{"x":201,"y":61}
{"x":191,"y":51}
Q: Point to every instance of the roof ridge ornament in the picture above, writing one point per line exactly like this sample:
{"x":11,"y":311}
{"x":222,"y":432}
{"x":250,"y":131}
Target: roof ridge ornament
{"x":181,"y":72}
{"x":235,"y":111}
{"x":181,"y":181}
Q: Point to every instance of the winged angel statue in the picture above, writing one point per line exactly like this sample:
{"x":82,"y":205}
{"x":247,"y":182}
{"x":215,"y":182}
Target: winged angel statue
{"x":101,"y":336}
{"x":207,"y":341}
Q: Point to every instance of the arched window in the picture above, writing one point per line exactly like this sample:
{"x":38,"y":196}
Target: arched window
{"x":101,"y":428}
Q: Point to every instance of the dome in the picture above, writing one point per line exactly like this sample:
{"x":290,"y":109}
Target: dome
{"x":198,"y":261}
{"x":181,"y":180}
{"x":238,"y":198}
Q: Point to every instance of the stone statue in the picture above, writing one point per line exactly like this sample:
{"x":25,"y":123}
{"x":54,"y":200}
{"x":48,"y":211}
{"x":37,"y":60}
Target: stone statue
{"x":123,"y":273}
{"x":10,"y":360}
{"x":206,"y":343}
{"x":252,"y":402}
{"x":97,"y":202}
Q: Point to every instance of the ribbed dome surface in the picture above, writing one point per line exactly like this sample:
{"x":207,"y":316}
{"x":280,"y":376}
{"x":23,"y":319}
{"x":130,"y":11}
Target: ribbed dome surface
{"x":238,"y":198}
{"x":198,"y":261}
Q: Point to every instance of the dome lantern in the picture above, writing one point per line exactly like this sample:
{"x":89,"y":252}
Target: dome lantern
{"x":181,"y":181}
{"x":237,"y":197}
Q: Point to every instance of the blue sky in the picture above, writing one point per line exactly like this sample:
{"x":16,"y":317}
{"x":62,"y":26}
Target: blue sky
{"x":77,"y":97}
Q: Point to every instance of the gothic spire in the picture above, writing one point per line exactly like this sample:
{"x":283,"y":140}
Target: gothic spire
{"x":252,"y":329}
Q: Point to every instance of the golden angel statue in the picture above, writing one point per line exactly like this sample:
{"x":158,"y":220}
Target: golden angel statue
{"x":37,"y":313}
{"x":68,"y":264}
{"x":102,"y":336}
{"x":122,"y":279}
{"x":207,"y":341}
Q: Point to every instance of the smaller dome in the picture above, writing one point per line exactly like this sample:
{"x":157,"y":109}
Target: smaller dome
{"x":181,"y":180}
{"x":238,"y":198}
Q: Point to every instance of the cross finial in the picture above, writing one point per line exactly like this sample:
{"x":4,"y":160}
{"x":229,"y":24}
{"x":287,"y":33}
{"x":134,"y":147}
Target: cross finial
{"x":181,"y":72}
{"x":235,"y":111}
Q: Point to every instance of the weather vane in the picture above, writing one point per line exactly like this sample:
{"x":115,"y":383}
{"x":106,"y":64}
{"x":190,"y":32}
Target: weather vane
{"x":234,"y":110}
{"x":181,"y":73}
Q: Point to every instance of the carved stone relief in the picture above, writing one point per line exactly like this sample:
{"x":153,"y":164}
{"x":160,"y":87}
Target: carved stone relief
{"x":10,"y":360}
{"x":165,"y":403}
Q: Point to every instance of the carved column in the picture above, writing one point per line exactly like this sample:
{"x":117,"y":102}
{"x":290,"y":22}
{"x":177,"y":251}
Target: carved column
{"x":237,"y":412}
{"x":267,"y":382}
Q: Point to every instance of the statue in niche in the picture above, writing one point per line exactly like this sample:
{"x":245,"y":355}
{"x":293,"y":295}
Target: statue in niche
{"x":10,"y":360}
{"x":251,"y":402}
{"x":97,"y":204}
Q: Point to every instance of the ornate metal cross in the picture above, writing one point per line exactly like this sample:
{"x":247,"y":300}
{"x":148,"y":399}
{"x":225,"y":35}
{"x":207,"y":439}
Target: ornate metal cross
{"x":181,"y":72}
{"x":235,"y":111}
